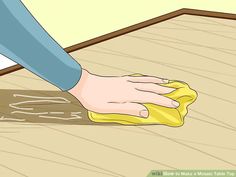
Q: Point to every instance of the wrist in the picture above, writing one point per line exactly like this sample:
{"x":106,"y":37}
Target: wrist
{"x":75,"y":91}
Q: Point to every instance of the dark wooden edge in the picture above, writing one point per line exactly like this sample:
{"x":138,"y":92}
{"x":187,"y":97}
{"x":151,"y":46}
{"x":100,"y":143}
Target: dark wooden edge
{"x":135,"y":27}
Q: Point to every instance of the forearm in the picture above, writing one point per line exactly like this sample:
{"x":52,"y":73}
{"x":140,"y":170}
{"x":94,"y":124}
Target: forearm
{"x":24,"y":41}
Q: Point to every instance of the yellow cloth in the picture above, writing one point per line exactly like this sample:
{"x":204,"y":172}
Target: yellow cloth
{"x":157,"y":114}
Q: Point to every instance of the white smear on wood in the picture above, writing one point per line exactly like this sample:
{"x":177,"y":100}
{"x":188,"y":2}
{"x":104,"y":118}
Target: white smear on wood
{"x":29,"y":113}
{"x":60,"y":100}
{"x":57,"y":112}
{"x":41,"y":97}
{"x":44,"y":99}
{"x":61,"y":118}
{"x":12,"y":119}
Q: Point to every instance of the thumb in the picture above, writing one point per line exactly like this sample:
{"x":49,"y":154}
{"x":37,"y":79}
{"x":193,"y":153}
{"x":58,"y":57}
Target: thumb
{"x":134,"y":109}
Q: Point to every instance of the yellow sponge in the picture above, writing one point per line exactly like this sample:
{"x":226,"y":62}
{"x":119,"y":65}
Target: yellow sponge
{"x":157,"y":114}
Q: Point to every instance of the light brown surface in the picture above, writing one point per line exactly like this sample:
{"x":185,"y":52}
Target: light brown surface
{"x":198,"y":50}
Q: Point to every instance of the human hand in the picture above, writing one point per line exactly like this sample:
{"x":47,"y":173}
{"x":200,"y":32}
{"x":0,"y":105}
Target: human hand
{"x":122,"y":95}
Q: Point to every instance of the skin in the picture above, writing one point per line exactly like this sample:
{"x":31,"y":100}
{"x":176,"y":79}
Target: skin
{"x":122,"y":95}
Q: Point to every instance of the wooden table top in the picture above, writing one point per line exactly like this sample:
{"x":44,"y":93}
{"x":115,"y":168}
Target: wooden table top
{"x":198,"y":50}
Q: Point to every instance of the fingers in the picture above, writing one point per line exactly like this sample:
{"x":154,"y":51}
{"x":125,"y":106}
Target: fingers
{"x":150,"y":87}
{"x":149,"y":97}
{"x":133,"y":109}
{"x":146,"y":79}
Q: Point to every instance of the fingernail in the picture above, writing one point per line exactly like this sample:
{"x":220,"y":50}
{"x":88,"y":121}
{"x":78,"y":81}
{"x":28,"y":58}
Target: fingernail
{"x":143,"y":113}
{"x":172,"y":89}
{"x":165,"y":80}
{"x":175,"y":104}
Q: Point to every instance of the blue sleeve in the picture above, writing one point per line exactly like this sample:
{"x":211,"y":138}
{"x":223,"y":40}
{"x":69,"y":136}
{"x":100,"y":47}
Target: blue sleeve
{"x":24,"y":41}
